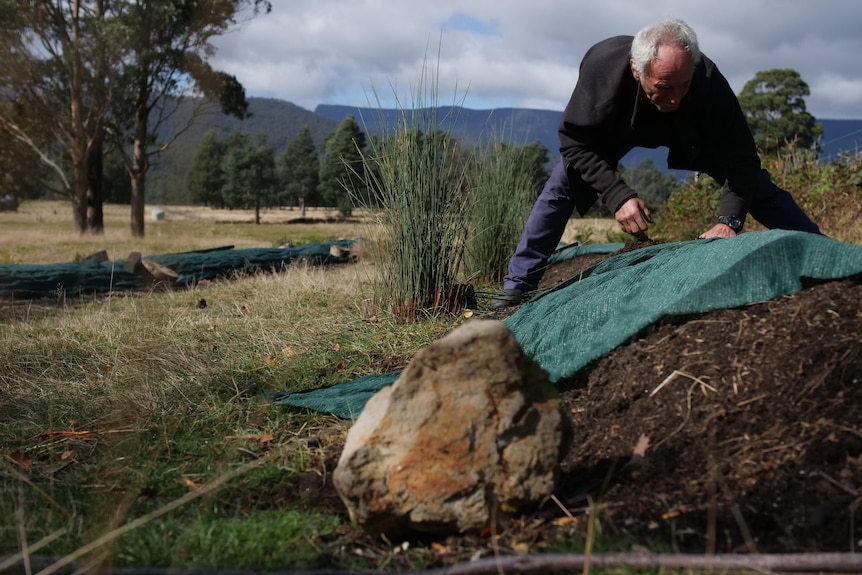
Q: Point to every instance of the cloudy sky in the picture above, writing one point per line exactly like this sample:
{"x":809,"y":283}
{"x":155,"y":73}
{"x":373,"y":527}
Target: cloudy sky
{"x":486,"y":54}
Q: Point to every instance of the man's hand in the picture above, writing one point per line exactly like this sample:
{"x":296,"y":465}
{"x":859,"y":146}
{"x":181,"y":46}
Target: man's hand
{"x":717,"y":231}
{"x":634,"y":218}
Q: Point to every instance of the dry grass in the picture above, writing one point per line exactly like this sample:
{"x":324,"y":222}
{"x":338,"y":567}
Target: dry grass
{"x":590,"y":230}
{"x":112,"y":410}
{"x":115,"y":407}
{"x":41,"y":231}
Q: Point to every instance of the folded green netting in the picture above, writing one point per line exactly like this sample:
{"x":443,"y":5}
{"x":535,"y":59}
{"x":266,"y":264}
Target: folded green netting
{"x":74,"y":278}
{"x":572,"y":251}
{"x":585,"y":317}
{"x":344,"y":400}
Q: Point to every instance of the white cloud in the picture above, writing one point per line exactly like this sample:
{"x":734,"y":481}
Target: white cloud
{"x":526,"y":54}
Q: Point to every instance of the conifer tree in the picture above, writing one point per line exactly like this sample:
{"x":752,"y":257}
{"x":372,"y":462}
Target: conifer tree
{"x":298,"y":170}
{"x":774,"y":104}
{"x":205,"y":178}
{"x":249,"y":173}
{"x":341,"y":168}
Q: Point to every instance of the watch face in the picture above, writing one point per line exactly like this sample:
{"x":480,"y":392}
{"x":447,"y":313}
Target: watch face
{"x":732,"y":221}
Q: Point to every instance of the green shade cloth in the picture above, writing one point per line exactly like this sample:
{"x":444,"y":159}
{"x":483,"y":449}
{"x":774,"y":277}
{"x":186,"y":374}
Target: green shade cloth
{"x":571,"y":251}
{"x":579,"y":320}
{"x":75,"y":278}
{"x":344,"y":400}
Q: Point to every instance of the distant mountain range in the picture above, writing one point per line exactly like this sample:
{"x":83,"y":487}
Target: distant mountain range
{"x":523,"y":125}
{"x":280,"y":121}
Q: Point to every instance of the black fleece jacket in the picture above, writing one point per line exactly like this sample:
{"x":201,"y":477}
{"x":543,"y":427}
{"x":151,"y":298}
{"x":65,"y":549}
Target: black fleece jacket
{"x":609,"y":114}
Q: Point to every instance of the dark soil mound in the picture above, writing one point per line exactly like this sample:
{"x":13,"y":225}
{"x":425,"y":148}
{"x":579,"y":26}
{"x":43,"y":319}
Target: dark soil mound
{"x":736,"y":430}
{"x":754,"y":421}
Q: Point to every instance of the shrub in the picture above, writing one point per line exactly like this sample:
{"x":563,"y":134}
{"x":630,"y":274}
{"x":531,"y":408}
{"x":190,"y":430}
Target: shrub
{"x":416,"y":177}
{"x":689,"y":210}
{"x":831,"y":194}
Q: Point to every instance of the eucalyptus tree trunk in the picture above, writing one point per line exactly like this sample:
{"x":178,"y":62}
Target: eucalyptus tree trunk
{"x":80,"y":159}
{"x":140,"y":160}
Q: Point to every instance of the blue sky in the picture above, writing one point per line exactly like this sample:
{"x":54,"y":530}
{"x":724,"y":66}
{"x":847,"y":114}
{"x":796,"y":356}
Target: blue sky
{"x":487,"y":54}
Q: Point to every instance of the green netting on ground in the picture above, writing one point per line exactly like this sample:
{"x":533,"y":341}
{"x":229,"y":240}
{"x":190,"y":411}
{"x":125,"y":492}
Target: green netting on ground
{"x":74,"y":278}
{"x":580,"y":320}
{"x":344,"y":400}
{"x":571,"y":251}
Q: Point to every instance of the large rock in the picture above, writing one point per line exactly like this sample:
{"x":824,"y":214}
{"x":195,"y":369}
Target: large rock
{"x":471,"y":432}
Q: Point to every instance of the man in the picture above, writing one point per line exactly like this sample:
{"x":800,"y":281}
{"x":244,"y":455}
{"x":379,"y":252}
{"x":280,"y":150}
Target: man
{"x":655,"y":89}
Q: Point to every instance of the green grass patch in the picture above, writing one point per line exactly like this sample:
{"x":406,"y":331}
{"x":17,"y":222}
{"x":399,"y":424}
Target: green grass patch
{"x":262,"y":540}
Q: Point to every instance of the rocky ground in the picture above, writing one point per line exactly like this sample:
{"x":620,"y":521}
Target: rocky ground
{"x":736,"y":430}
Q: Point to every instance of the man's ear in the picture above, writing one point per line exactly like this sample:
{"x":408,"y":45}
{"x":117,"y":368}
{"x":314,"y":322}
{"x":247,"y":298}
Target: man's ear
{"x":634,"y":72}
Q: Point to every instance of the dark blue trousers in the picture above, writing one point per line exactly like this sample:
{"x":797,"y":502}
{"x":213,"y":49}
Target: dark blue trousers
{"x":771,"y":206}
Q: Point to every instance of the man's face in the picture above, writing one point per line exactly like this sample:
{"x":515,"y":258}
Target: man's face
{"x":666,"y":81}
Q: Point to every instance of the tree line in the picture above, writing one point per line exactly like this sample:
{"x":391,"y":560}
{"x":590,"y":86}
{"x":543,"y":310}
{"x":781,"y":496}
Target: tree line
{"x":244,"y":172}
{"x":81,"y":79}
{"x":87,"y":87}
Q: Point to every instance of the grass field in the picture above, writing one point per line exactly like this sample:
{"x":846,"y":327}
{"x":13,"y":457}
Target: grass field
{"x":132,"y":426}
{"x":41,"y":231}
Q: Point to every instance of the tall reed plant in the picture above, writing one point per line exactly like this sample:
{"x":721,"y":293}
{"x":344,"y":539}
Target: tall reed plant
{"x":416,"y":179}
{"x":502,"y":194}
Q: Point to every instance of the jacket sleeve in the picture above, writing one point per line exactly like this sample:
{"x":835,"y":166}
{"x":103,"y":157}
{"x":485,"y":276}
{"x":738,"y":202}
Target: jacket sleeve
{"x":592,"y":115}
{"x":739,"y":162}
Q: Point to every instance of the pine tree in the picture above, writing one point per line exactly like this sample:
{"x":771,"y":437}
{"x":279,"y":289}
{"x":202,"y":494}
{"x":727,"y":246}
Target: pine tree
{"x":205,"y":179}
{"x":249,"y":173}
{"x":774,"y":104}
{"x":298,"y":171}
{"x":341,"y":168}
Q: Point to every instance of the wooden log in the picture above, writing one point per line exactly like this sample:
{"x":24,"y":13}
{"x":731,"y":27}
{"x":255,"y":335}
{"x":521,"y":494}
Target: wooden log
{"x":158,"y":272}
{"x":133,"y":260}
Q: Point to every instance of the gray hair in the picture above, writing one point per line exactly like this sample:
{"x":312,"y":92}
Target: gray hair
{"x":668,"y":33}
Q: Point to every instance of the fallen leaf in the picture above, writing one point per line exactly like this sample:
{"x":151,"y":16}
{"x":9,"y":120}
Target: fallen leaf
{"x":263,"y":438}
{"x":22,"y":460}
{"x":440,"y":549}
{"x":287,"y":352}
{"x":270,"y":361}
{"x":67,"y":454}
{"x":566,"y":521}
{"x":189,"y":483}
{"x":521,"y":548}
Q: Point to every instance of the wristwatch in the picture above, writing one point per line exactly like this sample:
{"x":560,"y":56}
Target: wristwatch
{"x":734,"y":222}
